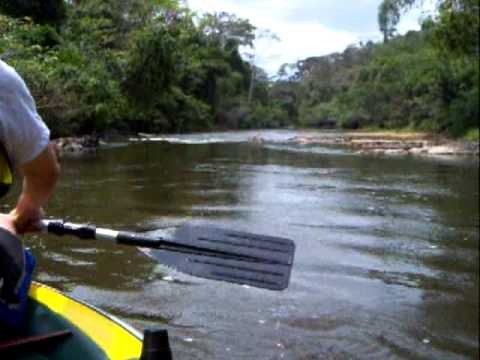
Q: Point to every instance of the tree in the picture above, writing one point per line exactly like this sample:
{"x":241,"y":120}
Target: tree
{"x":151,"y":69}
{"x":227,"y":29}
{"x":264,"y":38}
{"x":457,"y":29}
{"x":224,"y":70}
{"x":389,"y":15}
{"x":388,"y":18}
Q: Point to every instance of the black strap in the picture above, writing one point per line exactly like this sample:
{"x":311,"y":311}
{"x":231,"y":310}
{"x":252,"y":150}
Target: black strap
{"x":32,"y":342}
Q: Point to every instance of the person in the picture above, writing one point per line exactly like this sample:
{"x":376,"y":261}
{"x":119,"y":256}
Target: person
{"x":25,"y":149}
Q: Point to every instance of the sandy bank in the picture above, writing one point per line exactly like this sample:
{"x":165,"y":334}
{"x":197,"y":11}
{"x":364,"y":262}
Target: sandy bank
{"x":391,"y":143}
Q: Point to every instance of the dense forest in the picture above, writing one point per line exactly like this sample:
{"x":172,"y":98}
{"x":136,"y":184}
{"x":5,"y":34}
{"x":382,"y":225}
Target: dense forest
{"x":154,"y":66}
{"x":426,"y":80}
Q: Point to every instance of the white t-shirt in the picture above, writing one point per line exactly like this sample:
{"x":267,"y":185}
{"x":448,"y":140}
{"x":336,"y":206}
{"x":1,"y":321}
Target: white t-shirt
{"x":22,"y":132}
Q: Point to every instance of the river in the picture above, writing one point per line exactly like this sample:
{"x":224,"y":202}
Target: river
{"x":387,"y":261}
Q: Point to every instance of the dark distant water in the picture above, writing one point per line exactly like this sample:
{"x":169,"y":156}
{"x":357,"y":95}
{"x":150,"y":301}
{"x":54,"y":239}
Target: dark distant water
{"x":387,"y":261}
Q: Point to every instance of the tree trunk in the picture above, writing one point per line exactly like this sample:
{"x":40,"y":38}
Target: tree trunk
{"x":252,"y":85}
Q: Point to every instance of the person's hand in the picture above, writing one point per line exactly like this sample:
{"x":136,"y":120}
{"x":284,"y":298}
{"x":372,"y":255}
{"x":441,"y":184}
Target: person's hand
{"x":26,"y":218}
{"x":7,"y":223}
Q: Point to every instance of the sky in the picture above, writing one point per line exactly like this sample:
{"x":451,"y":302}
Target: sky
{"x":309,"y":27}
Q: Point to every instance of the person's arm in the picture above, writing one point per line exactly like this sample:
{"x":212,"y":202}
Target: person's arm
{"x":39,"y":179}
{"x":6,"y":222}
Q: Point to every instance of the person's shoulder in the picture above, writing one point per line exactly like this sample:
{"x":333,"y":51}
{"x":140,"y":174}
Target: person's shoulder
{"x":9,"y":78}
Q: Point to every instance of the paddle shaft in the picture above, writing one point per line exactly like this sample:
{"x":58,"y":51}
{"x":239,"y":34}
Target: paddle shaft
{"x":86,"y":231}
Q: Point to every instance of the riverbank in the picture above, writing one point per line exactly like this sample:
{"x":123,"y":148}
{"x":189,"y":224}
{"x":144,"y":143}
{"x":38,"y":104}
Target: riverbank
{"x":392,"y":143}
{"x":362,"y":142}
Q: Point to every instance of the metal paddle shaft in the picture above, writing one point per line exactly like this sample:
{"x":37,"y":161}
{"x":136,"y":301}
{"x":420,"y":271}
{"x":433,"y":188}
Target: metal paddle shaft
{"x":204,"y":251}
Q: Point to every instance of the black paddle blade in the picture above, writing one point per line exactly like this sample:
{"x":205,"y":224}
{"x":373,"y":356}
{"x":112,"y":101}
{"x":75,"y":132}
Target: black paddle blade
{"x":242,"y":246}
{"x":256,"y":274}
{"x":227,"y":255}
{"x":204,"y":251}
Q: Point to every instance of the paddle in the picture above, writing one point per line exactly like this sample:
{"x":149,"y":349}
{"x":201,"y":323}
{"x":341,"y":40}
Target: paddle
{"x":204,"y":251}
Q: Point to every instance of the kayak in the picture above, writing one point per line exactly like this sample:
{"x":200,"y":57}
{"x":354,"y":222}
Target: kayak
{"x":62,"y":327}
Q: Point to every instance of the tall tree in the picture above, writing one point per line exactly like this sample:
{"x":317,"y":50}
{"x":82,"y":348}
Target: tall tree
{"x":227,"y":30}
{"x":264,"y":38}
{"x":389,"y":15}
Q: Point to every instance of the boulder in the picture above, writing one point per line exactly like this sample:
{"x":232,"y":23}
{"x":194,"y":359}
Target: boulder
{"x":76,"y":145}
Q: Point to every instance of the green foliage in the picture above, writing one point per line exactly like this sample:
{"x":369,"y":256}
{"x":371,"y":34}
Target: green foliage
{"x":461,"y":96}
{"x":151,"y":67}
{"x":457,"y":30}
{"x":473,"y":135}
{"x":133,"y":65}
{"x":266,"y":117}
{"x":399,"y":86}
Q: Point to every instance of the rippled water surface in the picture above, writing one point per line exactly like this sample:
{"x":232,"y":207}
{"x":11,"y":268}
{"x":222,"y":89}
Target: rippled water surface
{"x":387,"y":261}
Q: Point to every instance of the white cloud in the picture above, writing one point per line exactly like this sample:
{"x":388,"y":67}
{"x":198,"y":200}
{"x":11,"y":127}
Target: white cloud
{"x":307,"y":27}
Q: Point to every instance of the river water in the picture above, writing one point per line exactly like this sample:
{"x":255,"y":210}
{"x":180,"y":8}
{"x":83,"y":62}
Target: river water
{"x":387,"y":262}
